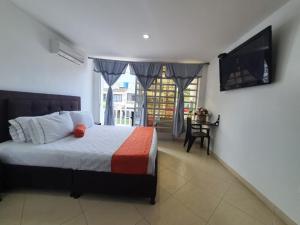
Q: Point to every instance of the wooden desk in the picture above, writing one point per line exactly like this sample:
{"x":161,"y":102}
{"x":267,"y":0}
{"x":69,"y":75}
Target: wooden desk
{"x":207,"y":123}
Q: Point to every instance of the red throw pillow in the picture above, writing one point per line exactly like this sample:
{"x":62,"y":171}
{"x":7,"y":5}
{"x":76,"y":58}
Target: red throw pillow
{"x":79,"y":130}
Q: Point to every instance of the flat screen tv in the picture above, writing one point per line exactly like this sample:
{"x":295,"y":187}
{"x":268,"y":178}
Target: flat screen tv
{"x":249,"y":64}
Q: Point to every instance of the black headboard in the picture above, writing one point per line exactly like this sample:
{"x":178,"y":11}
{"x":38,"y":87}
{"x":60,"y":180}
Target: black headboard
{"x":14,"y":104}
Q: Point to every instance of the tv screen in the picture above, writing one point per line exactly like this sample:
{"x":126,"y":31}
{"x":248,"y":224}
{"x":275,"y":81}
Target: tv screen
{"x":249,"y":64}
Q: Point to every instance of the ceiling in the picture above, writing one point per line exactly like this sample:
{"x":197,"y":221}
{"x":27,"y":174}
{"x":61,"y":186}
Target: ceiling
{"x":180,"y":30}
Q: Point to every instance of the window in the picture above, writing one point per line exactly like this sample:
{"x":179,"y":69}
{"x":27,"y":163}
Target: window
{"x":123,"y":98}
{"x":130,"y":97}
{"x":117,"y":98}
{"x":191,"y":97}
{"x":161,"y":102}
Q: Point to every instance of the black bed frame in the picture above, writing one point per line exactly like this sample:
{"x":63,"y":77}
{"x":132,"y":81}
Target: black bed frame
{"x":14,"y":104}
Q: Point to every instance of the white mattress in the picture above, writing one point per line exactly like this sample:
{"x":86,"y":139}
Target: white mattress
{"x":93,"y":152}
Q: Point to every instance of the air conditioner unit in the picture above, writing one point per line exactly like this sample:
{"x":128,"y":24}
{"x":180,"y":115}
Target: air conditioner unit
{"x":66,"y":52}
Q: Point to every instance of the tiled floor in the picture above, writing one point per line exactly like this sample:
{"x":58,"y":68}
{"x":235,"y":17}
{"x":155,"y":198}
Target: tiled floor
{"x":193,"y":189}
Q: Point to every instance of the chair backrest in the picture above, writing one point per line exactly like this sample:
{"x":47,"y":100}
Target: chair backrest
{"x":189,"y":125}
{"x":217,"y":121}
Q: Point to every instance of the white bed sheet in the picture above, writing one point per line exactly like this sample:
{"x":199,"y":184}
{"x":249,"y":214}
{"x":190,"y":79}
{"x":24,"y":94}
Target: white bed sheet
{"x":93,"y":152}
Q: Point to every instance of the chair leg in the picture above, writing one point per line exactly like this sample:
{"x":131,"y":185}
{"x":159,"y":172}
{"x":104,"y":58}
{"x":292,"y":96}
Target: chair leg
{"x":186,"y":140}
{"x":202,"y":142}
{"x":190,"y":144}
{"x":208,"y":142}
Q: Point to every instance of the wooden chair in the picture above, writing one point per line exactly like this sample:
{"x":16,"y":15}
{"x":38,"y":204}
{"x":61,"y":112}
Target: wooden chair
{"x":188,"y":127}
{"x":194,"y":131}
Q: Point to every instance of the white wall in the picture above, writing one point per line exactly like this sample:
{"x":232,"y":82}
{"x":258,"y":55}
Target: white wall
{"x":27,"y":65}
{"x":202,"y":87}
{"x":259,"y":133}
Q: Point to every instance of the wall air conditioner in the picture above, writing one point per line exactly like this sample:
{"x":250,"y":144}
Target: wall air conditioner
{"x":66,"y":52}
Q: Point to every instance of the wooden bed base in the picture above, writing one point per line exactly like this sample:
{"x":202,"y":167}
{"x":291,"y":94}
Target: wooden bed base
{"x":14,"y":104}
{"x":78,"y":182}
{"x":115,"y":184}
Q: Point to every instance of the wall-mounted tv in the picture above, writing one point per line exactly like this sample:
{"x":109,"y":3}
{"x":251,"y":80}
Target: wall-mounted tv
{"x":249,"y":64}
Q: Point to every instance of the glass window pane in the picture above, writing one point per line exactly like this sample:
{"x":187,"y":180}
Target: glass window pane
{"x":161,"y":100}
{"x":190,"y":97}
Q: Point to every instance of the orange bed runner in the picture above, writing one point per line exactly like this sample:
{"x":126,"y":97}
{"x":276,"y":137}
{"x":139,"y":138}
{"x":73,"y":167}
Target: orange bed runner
{"x":133,"y":155}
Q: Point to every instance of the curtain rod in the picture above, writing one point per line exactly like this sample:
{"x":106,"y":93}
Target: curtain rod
{"x":205,"y":63}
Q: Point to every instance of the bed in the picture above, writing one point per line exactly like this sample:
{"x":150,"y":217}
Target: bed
{"x":77,"y":165}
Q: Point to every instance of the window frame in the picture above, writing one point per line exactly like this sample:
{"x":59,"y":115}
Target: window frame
{"x":162,"y":94}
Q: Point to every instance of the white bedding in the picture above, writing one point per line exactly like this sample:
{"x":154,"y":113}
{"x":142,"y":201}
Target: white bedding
{"x":93,"y":152}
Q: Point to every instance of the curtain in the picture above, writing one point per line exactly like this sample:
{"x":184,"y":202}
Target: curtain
{"x":146,"y":73}
{"x":183,"y":75}
{"x":111,"y":70}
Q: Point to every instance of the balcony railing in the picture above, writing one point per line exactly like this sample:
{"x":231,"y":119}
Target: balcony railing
{"x":123,"y":116}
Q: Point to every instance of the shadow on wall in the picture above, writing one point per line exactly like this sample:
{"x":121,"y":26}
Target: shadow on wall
{"x":283,"y":42}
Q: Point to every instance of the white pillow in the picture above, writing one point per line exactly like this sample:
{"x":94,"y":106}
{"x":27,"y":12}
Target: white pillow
{"x":14,"y":134}
{"x":35,"y":130}
{"x":21,"y":124}
{"x":53,"y":128}
{"x":81,"y":117}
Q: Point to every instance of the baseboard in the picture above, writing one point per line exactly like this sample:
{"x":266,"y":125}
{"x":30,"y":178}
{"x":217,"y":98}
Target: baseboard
{"x":278,"y":212}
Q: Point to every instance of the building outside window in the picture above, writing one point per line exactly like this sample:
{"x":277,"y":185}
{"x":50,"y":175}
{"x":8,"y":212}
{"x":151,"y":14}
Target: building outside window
{"x":124,"y":87}
{"x":117,"y":98}
{"x":130,"y":97}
